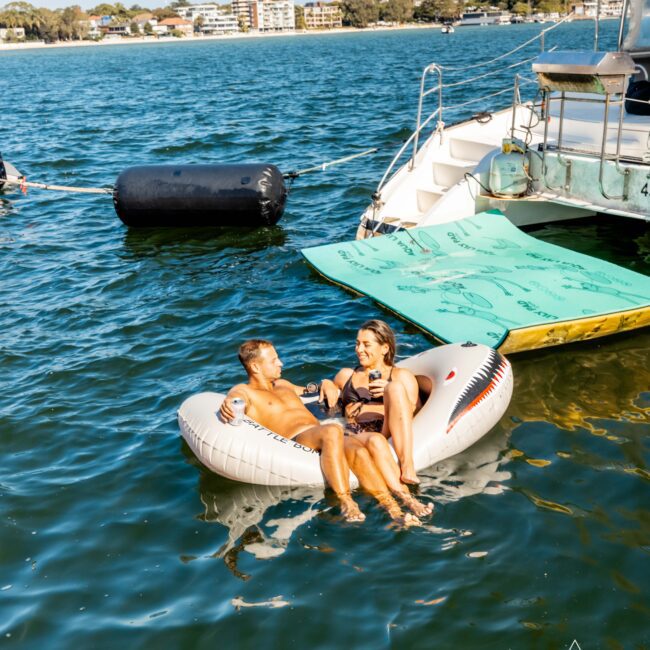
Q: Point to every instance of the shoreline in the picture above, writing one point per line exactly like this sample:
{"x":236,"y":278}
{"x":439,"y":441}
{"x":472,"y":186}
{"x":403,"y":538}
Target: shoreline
{"x":142,"y":40}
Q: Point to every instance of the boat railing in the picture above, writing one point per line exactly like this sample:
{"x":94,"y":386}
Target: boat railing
{"x":426,"y":89}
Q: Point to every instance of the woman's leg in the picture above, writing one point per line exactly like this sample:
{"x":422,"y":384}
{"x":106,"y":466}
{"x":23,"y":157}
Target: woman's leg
{"x":398,"y":423}
{"x":371,"y":479}
{"x":381,"y":454}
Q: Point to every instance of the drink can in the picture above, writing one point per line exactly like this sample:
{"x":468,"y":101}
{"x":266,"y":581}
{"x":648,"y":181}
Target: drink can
{"x":374,"y":374}
{"x":238,"y":406}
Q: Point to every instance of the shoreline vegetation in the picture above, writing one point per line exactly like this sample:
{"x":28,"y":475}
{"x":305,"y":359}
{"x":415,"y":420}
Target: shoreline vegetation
{"x":24,"y":26}
{"x":139,"y":40}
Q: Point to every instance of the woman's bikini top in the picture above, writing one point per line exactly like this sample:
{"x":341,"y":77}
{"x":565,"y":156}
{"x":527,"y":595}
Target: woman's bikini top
{"x":353,"y":395}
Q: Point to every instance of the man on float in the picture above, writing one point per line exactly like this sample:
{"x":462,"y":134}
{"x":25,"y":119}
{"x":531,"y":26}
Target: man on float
{"x":276,"y":405}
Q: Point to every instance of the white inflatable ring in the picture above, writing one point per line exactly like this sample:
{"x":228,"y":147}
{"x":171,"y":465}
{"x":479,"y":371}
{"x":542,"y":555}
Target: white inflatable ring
{"x":472,"y":387}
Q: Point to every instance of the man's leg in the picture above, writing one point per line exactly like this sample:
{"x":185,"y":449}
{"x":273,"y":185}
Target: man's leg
{"x":398,"y":423}
{"x":328,"y":439}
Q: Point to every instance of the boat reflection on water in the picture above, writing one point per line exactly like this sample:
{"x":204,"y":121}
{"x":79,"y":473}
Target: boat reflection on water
{"x":242,"y":508}
{"x":149,"y":242}
{"x":586,"y":384}
{"x":254,"y":524}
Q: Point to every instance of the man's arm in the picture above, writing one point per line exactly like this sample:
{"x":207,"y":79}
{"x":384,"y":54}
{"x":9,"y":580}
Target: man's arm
{"x":226,"y":410}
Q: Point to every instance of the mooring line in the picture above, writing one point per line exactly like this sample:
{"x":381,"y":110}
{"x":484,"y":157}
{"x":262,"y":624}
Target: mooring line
{"x":323,"y":166}
{"x":24,"y":184}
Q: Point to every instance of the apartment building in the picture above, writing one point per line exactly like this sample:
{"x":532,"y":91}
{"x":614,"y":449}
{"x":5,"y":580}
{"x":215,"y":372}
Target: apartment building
{"x":266,"y":15}
{"x":322,"y":15}
{"x":215,"y":19}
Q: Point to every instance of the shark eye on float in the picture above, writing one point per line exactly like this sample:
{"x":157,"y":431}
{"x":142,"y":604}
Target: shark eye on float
{"x":451,"y":376}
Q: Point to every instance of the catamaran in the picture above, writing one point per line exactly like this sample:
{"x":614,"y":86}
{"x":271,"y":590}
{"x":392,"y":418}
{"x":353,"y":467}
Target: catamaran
{"x":440,"y":243}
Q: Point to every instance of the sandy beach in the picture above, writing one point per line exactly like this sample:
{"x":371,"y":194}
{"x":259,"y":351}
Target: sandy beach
{"x":41,"y":45}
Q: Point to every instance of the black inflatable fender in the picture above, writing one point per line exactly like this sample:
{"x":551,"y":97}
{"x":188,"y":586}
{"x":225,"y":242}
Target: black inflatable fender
{"x":237,"y":195}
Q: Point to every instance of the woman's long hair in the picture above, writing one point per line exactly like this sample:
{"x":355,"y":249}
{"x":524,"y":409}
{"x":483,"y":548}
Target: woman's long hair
{"x":384,"y":334}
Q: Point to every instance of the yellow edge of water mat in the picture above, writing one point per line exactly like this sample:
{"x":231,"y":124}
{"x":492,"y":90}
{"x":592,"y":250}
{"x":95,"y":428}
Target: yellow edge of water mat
{"x":583,"y":329}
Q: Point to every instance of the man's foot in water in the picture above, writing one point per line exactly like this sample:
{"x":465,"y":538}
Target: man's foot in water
{"x":350,"y":510}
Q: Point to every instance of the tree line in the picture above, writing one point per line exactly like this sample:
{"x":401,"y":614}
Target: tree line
{"x":69,"y":23}
{"x":361,"y":13}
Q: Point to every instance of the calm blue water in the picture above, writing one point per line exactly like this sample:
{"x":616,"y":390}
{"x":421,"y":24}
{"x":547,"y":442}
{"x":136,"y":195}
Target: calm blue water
{"x":111,"y":532}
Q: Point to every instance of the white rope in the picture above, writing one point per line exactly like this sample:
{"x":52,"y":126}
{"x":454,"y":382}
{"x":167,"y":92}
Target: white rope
{"x":323,"y":166}
{"x":57,"y":188}
{"x":473,"y":101}
{"x":503,"y":56}
{"x":464,"y":82}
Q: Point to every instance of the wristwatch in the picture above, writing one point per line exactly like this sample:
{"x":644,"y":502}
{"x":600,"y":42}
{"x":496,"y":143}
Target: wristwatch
{"x":312,"y":387}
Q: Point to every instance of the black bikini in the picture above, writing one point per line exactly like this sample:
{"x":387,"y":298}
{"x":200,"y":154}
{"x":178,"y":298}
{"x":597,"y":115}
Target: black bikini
{"x":353,"y":395}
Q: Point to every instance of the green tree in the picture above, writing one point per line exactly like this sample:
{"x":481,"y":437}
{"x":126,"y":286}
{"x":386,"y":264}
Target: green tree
{"x":21,"y":14}
{"x":243,"y":23}
{"x":396,"y":11}
{"x":165,"y":12}
{"x":438,"y":10}
{"x":49,"y":25}
{"x":520,"y":8}
{"x":135,"y":28}
{"x":199,"y":21}
{"x":359,"y":13}
{"x":103,"y":9}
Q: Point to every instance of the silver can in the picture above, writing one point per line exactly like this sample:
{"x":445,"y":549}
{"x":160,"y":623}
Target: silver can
{"x":238,"y":406}
{"x":374,"y":374}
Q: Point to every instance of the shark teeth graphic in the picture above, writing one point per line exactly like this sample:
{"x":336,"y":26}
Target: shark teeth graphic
{"x":487,"y":377}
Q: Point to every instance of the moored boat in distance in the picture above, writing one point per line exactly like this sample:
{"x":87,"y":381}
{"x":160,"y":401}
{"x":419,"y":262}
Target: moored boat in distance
{"x":485,"y":18}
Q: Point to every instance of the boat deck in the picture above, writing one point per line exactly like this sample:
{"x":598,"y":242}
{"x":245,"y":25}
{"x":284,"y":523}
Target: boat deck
{"x":482,"y":279}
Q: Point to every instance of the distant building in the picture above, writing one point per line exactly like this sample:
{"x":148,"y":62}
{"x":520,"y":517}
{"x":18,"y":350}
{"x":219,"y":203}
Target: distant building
{"x":243,"y":11}
{"x":266,"y":15}
{"x":142,"y":19}
{"x":323,"y":15}
{"x":92,"y":22}
{"x":276,"y":16}
{"x":589,"y":8}
{"x":169,"y":25}
{"x":12,"y":34}
{"x":117,"y":30}
{"x":215,"y":19}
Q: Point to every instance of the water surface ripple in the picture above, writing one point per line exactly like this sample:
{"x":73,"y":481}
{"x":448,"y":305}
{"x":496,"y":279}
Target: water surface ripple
{"x":112,"y":533}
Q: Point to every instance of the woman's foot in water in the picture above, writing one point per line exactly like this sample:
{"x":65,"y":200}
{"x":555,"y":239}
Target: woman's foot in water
{"x":394,"y":511}
{"x":416,"y":507}
{"x":350,"y":510}
{"x":409,"y":477}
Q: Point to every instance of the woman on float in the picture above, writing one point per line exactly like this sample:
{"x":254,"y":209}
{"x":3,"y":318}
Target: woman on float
{"x":380,"y":408}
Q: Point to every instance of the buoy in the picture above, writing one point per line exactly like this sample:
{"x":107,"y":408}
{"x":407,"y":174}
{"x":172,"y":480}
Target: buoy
{"x":200,"y":195}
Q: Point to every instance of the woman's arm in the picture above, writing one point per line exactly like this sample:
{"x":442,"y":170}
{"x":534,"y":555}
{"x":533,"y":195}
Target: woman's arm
{"x":330,"y":391}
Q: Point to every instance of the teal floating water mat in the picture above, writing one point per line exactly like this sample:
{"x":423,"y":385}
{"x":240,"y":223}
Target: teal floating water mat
{"x":482,"y":279}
